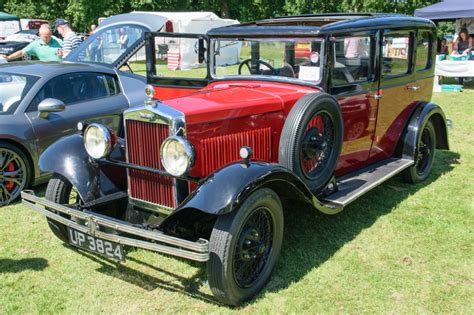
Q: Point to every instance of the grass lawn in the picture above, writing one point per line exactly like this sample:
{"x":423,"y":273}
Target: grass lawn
{"x":399,"y":249}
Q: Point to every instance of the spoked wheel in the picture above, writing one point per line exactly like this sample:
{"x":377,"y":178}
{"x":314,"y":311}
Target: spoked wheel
{"x":317,"y":144}
{"x":424,"y":157}
{"x":311,"y":139}
{"x":14,"y":173}
{"x":61,"y":191}
{"x":244,"y":248}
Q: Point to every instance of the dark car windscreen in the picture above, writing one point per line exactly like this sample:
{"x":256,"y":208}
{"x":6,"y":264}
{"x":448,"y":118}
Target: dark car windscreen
{"x":13,"y":88}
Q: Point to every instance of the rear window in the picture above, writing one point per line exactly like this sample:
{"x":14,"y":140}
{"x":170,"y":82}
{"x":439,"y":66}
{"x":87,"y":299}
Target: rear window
{"x":396,"y":50}
{"x":423,"y":50}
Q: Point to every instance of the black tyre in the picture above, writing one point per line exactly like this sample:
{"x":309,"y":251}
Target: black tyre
{"x":61,"y":191}
{"x":244,"y":247}
{"x":15,"y":172}
{"x":424,"y":156}
{"x":311,"y":139}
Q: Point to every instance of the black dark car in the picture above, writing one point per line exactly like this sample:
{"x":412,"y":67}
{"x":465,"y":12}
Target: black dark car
{"x":18,"y":41}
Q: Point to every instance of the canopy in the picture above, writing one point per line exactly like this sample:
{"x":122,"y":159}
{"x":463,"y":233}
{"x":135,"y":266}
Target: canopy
{"x":8,"y":17}
{"x":447,"y":10}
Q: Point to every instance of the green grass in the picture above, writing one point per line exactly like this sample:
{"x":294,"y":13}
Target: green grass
{"x":399,"y":249}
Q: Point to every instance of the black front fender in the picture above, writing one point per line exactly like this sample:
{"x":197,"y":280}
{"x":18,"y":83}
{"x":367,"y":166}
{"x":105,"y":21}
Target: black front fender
{"x":68,"y":157}
{"x":223,"y":191}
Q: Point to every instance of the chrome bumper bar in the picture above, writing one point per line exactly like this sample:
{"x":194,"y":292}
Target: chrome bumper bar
{"x":198,"y":251}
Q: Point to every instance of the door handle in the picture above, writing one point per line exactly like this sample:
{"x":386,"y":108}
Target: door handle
{"x":413,"y":87}
{"x":375,"y":96}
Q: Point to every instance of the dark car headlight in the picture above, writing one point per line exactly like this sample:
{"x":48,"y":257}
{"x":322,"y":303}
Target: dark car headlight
{"x":98,"y":141}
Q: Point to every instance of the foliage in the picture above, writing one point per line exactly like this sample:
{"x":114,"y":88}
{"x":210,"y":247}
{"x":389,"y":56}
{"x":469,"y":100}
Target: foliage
{"x":83,"y":13}
{"x":446,"y":28}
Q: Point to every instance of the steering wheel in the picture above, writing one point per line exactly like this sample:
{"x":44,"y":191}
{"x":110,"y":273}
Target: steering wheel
{"x":248,"y":61}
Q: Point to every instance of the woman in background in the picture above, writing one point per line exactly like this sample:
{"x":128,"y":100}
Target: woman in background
{"x":463,"y":44}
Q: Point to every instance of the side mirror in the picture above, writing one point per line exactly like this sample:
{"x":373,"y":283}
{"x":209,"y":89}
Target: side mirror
{"x":201,"y":50}
{"x":50,"y":105}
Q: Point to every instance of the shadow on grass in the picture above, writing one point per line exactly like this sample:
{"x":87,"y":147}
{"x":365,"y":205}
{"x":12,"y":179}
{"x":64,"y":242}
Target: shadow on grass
{"x":311,"y":238}
{"x":19,"y":265}
{"x":187,"y":285}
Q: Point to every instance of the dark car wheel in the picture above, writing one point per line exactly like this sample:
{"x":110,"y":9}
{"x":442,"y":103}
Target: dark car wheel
{"x":61,"y":191}
{"x":424,"y":157}
{"x":244,"y":247}
{"x":311,"y":139}
{"x":15,"y":172}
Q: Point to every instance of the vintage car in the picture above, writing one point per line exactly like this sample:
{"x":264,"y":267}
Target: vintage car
{"x":205,"y":168}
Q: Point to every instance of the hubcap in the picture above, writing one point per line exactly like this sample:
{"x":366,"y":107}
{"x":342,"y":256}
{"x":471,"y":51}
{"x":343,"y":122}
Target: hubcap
{"x":253,"y":247}
{"x":317,"y":145}
{"x":12,"y":176}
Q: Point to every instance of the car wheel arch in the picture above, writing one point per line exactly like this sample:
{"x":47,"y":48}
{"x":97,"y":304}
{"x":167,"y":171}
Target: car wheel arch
{"x":422,"y":113}
{"x":286,"y":185}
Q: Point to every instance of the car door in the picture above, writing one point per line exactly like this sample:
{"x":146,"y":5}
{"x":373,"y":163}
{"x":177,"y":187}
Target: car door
{"x":396,"y":90}
{"x":88,"y":96}
{"x":353,"y":82}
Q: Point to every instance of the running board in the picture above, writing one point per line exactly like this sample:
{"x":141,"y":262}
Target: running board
{"x":355,"y":184}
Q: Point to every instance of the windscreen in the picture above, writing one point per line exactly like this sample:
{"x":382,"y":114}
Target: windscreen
{"x":179,"y":57}
{"x":288,"y":58}
{"x":13,"y":88}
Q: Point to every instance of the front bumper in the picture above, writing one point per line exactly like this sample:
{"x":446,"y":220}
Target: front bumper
{"x":154,"y":241}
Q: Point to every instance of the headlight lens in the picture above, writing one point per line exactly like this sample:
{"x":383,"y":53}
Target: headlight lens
{"x":177,"y":155}
{"x":98,"y":141}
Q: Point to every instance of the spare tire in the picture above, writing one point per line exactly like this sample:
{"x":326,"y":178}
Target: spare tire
{"x":311,"y":139}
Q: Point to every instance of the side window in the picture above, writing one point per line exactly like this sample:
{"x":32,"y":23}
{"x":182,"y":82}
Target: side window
{"x":423,"y":50}
{"x":76,"y":87}
{"x":353,"y":60}
{"x":396,"y":51}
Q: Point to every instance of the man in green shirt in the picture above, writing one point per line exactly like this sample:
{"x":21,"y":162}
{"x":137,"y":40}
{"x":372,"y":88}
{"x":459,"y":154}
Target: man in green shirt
{"x":47,"y":48}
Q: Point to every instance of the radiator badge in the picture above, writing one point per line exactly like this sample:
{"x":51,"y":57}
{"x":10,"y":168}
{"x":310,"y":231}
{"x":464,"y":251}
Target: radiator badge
{"x":146,"y":116}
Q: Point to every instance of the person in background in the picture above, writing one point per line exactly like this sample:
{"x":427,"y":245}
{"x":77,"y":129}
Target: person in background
{"x":70,"y":39}
{"x":463,"y":44}
{"x":443,"y":47}
{"x":93,"y":27}
{"x":47,"y":48}
{"x":123,"y":39}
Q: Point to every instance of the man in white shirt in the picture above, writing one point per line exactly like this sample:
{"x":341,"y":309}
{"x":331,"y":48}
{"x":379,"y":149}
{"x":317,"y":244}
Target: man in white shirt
{"x":70,"y":39}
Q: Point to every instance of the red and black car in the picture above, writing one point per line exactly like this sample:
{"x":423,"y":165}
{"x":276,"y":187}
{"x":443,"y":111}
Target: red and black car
{"x":316,"y":108}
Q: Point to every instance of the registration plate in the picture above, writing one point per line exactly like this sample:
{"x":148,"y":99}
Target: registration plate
{"x":96,"y":245}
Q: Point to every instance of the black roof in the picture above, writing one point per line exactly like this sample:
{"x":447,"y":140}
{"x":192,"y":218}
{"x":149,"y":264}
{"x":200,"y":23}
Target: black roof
{"x":318,"y":24}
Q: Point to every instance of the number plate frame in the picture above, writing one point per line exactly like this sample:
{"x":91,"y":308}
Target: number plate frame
{"x":111,"y":250}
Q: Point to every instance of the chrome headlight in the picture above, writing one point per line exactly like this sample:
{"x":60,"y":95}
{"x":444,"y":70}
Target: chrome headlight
{"x":177,"y":155}
{"x":98,"y":141}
